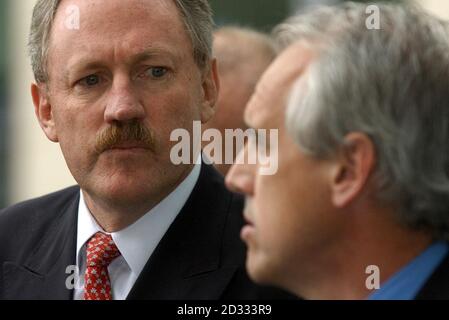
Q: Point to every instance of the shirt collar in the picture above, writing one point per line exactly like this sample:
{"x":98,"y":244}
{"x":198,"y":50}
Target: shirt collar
{"x":138,"y":241}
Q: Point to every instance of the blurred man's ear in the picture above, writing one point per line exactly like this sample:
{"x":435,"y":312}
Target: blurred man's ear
{"x":354,"y":164}
{"x":211,"y":85}
{"x":43,"y":110}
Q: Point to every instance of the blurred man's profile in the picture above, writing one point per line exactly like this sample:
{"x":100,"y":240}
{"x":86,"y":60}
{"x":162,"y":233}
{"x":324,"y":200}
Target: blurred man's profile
{"x":242,"y":55}
{"x":359,"y":207}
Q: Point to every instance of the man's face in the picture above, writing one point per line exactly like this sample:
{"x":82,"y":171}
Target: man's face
{"x":286,"y":212}
{"x":236,"y":86}
{"x":129,"y":66}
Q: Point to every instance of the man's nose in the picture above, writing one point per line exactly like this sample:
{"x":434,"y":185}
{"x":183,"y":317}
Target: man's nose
{"x":241,"y":176}
{"x":123,"y":103}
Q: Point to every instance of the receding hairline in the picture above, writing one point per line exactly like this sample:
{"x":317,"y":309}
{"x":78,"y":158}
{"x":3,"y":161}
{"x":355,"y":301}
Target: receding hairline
{"x":245,"y":45}
{"x":196,"y":16}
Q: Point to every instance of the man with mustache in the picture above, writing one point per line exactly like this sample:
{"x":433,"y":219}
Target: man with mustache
{"x":113,"y":79}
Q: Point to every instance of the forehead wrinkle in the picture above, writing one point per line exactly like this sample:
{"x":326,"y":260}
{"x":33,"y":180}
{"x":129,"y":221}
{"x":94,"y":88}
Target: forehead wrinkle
{"x":88,"y":44}
{"x":94,"y":24}
{"x":88,"y":62}
{"x":101,"y":15}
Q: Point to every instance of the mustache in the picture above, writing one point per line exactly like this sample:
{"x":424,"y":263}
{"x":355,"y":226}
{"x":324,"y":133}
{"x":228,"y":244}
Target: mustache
{"x":126,"y":132}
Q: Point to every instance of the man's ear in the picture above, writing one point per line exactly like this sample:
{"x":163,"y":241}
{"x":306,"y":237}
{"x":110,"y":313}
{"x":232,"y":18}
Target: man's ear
{"x":354,"y":164}
{"x":211,"y":85}
{"x":43,"y":110}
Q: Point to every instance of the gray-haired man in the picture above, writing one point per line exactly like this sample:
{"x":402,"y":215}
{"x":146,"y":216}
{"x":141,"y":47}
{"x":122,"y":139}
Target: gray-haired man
{"x":359,"y":207}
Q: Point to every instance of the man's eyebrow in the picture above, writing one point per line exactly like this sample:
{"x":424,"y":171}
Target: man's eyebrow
{"x":86,"y":63}
{"x":151,"y":53}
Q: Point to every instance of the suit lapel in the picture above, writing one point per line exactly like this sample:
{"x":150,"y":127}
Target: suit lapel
{"x":437,"y":287}
{"x":186,"y":263}
{"x":43,"y":275}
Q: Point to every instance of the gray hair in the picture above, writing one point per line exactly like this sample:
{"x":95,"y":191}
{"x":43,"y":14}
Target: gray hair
{"x":196,"y":14}
{"x":316,"y":26}
{"x":393,"y":85}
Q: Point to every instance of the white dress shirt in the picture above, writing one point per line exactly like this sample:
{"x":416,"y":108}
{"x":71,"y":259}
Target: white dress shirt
{"x":136,"y":242}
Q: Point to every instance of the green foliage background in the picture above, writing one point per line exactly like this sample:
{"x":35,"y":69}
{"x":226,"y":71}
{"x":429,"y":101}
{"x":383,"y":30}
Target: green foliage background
{"x":260,"y":14}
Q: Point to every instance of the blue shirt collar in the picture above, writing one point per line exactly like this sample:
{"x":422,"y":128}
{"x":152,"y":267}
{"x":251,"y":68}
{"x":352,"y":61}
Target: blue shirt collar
{"x":407,"y":282}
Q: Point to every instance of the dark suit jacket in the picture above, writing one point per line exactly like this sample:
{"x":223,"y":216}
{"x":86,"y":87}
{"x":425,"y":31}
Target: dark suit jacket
{"x":200,"y":257}
{"x":437,"y":287}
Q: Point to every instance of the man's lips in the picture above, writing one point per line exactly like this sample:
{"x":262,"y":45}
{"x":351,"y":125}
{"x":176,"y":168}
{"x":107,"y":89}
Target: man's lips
{"x":247,"y":219}
{"x":248,"y":229}
{"x":128,"y":146}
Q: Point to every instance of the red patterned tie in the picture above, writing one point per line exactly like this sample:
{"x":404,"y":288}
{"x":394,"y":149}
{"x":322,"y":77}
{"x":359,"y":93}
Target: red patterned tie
{"x":101,"y":250}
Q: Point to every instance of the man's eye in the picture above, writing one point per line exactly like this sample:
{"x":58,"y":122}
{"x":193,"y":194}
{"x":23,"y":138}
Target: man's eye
{"x":90,"y":81}
{"x":156,"y":72}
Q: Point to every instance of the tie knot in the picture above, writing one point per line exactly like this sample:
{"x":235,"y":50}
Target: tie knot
{"x":101,"y":250}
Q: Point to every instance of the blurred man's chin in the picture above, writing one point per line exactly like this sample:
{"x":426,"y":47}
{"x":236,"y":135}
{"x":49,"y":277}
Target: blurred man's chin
{"x":258,"y":269}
